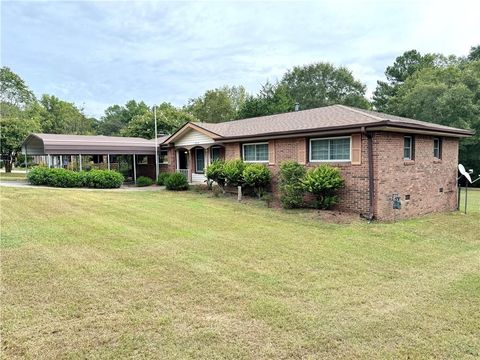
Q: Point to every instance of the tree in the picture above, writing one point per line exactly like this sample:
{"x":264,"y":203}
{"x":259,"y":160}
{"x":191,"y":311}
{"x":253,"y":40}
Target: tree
{"x":62,"y":117}
{"x":17,"y":119}
{"x":218,"y":105}
{"x":169,"y":119}
{"x":13,"y":90}
{"x":117,"y":117}
{"x":474,"y":53}
{"x":272,"y":99}
{"x":404,"y":66}
{"x":322,"y":84}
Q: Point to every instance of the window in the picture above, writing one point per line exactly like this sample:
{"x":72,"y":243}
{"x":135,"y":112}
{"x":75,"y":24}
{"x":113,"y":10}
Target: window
{"x":142,"y":159}
{"x":215,"y":153}
{"x":437,"y":148}
{"x":199,"y":160}
{"x":163,"y":157}
{"x":408,"y":148}
{"x":330,"y":149}
{"x":255,"y":152}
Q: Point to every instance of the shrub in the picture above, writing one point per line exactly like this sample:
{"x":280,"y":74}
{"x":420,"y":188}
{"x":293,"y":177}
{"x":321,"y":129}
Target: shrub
{"x":41,"y":175}
{"x":144,"y":181}
{"x":176,"y":182}
{"x":162,"y":177}
{"x":233,"y":170}
{"x":257,"y":176}
{"x":291,"y":187}
{"x":216,"y":172}
{"x":103,"y":179}
{"x":38,"y":175}
{"x":322,"y":182}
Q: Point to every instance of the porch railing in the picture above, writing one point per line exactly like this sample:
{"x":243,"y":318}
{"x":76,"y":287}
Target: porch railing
{"x":185,"y":172}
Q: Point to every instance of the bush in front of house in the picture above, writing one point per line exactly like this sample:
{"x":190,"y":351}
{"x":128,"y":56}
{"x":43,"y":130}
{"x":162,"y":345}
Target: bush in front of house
{"x":233,"y":170}
{"x":216,"y":172}
{"x":144,"y":181}
{"x":162,"y":177}
{"x":105,"y":179}
{"x":322,"y":182}
{"x":257,"y":176}
{"x":291,"y":188}
{"x":176,"y":182}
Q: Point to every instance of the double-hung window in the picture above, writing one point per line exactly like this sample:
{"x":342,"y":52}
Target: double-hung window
{"x":330,"y":149}
{"x":255,"y":152}
{"x":437,"y":148}
{"x":163,"y":157}
{"x":408,"y":148}
{"x":215,"y":153}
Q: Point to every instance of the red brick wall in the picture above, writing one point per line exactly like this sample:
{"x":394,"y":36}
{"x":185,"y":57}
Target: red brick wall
{"x":420,"y":178}
{"x":353,"y":197}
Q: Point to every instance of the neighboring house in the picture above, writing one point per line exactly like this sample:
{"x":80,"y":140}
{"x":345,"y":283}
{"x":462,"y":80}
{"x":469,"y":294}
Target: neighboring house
{"x":381,"y":157}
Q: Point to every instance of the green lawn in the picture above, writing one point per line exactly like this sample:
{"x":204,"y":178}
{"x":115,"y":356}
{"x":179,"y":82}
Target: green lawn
{"x":116,"y":274}
{"x":12,"y":176}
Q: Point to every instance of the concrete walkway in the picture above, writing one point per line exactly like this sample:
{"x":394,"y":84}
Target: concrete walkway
{"x":23,"y":184}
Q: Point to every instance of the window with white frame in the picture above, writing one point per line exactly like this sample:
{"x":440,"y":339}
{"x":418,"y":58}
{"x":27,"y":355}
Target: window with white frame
{"x":408,"y":148}
{"x":163,"y":157}
{"x":437,"y":148}
{"x":330,"y":149}
{"x":255,"y":152}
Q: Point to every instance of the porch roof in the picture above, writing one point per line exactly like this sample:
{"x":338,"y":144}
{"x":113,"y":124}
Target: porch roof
{"x":42,"y":144}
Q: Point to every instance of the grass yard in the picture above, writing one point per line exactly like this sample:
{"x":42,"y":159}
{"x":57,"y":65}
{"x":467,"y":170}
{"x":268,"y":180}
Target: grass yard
{"x":116,"y":274}
{"x":12,"y":176}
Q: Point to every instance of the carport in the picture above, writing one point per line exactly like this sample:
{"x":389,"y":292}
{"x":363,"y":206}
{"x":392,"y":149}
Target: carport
{"x":59,"y":150}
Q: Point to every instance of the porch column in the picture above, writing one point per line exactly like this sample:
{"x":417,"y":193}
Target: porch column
{"x":80,"y":161}
{"x":134,"y":169}
{"x":61,"y":161}
{"x":26,"y":160}
{"x":108,"y":161}
{"x":49,"y":161}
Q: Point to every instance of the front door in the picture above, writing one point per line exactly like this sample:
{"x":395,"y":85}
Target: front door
{"x":199,"y":160}
{"x":182,"y":159}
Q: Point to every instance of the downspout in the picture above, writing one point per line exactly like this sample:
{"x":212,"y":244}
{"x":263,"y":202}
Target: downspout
{"x":371,"y":183}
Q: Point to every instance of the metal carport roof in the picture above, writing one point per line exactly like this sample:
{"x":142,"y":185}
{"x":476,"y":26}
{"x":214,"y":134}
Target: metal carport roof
{"x":59,"y":144}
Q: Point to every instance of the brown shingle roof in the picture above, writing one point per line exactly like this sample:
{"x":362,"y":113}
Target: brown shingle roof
{"x":324,"y":118}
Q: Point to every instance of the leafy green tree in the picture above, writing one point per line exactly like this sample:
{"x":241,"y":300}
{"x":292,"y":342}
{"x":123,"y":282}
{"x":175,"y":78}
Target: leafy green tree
{"x":117,"y":117}
{"x":62,"y":117}
{"x":474,"y":53}
{"x":17,"y":119}
{"x":13,"y":90}
{"x":169,"y":119}
{"x":218,"y":105}
{"x":322,"y":84}
{"x":404,"y":66}
{"x":272,"y":99}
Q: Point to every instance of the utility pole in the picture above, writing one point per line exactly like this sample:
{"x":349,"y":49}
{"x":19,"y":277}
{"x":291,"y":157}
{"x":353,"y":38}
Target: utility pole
{"x":156,"y":142}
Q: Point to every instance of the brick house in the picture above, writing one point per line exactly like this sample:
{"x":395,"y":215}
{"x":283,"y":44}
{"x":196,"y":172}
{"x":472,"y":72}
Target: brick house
{"x":380,"y":156}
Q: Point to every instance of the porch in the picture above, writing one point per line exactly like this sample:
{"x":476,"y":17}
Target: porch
{"x":192,"y":161}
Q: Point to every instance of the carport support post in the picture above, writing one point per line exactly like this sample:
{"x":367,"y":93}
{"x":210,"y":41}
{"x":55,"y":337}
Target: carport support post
{"x":26,"y":161}
{"x":108,"y":161}
{"x":49,"y":161}
{"x":134,"y":169}
{"x":80,"y":161}
{"x":61,"y":161}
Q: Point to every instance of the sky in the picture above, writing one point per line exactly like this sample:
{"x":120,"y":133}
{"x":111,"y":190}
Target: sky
{"x":100,"y":53}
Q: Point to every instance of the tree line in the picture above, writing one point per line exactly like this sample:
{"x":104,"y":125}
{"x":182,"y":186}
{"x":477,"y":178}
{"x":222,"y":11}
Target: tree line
{"x":429,"y":87}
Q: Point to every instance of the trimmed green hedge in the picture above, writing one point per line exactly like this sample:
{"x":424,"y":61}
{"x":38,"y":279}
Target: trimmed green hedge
{"x":176,"y":182}
{"x":101,"y":179}
{"x":162,"y":177}
{"x":144,"y":181}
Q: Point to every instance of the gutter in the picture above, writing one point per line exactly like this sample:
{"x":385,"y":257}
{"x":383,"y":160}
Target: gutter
{"x":371,"y":182}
